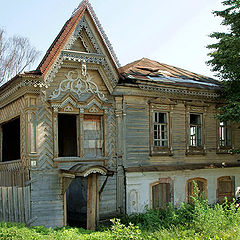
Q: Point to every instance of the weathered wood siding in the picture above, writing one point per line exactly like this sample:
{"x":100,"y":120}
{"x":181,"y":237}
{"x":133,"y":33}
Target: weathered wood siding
{"x":15,"y":204}
{"x":137,"y":132}
{"x":107,"y":199}
{"x":137,"y":137}
{"x":46,"y":198}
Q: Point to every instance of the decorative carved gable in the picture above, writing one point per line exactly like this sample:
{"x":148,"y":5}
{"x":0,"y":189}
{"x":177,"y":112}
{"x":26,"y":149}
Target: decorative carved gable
{"x":77,"y":82}
{"x":78,"y":46}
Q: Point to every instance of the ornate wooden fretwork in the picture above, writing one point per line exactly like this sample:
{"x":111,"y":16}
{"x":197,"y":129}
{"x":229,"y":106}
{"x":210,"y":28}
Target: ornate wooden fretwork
{"x":12,"y":110}
{"x":178,"y":91}
{"x":77,"y":34}
{"x":77,"y":83}
{"x":81,"y":6}
{"x":90,"y":58}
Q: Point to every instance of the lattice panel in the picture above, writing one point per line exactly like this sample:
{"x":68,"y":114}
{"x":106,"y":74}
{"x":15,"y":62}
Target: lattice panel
{"x":12,"y":110}
{"x":45,"y":138}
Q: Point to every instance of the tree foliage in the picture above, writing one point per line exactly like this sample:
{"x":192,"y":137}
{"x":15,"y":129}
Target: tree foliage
{"x":16,"y":53}
{"x":225,"y":59}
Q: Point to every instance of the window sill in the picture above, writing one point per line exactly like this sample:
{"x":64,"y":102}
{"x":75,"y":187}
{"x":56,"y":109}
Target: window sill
{"x":195,"y":151}
{"x":161,"y":151}
{"x":224,"y":150}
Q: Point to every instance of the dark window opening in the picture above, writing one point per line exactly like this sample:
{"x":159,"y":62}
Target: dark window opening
{"x":11,"y":140}
{"x":67,"y":135}
{"x":76,"y":197}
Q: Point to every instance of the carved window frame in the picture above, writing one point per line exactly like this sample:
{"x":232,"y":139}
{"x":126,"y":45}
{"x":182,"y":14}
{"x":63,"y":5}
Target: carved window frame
{"x":198,"y":110}
{"x":167,"y":180}
{"x":205,"y":187}
{"x":166,"y":109}
{"x":71,"y":106}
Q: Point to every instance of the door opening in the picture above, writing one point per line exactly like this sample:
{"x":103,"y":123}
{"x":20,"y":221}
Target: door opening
{"x":76,"y":196}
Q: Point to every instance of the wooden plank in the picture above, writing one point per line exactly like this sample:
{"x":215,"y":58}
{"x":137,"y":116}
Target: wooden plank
{"x":65,"y":208}
{"x":1,"y":206}
{"x":15,"y":204}
{"x":26,"y":203}
{"x":4,"y":204}
{"x":20,"y":205}
{"x":92,"y":202}
{"x":10,"y":205}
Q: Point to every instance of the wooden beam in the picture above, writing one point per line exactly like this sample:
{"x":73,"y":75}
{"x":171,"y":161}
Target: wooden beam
{"x":92,"y":202}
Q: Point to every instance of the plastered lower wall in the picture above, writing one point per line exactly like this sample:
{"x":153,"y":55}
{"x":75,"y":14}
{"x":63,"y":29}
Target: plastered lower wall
{"x":139,"y":191}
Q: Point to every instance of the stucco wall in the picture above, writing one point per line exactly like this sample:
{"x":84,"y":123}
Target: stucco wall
{"x":139,"y":191}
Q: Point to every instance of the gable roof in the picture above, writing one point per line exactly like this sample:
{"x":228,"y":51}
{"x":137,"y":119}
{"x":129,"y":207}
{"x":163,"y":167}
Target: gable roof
{"x":153,"y":71}
{"x":66,"y":31}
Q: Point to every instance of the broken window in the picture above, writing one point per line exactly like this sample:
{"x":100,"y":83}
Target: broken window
{"x":67,"y":135}
{"x":161,"y":195}
{"x":224,"y":134}
{"x":201,"y":184}
{"x":93,"y":136}
{"x":195,"y":130}
{"x":160,"y":129}
{"x":225,"y":189}
{"x":11,"y":140}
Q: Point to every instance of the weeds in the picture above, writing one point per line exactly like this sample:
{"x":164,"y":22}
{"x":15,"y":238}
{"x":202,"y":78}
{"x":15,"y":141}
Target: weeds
{"x":194,"y":221}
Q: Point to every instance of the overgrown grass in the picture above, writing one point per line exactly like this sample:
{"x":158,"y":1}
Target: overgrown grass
{"x":195,"y":221}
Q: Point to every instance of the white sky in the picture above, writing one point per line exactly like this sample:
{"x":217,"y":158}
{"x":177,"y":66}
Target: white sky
{"x":172,"y":32}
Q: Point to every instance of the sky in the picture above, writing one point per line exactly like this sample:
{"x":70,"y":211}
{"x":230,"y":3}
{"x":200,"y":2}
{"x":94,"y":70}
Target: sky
{"x":172,"y":32}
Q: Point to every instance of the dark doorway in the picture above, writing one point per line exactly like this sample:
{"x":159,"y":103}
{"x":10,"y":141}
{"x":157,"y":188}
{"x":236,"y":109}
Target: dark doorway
{"x":11,"y":140}
{"x":76,"y":197}
{"x":67,"y":135}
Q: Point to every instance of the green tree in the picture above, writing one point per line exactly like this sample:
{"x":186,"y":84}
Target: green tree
{"x":225,"y":59}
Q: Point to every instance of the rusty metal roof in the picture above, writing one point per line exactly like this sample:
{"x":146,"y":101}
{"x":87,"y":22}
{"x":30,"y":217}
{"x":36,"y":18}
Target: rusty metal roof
{"x":153,"y":71}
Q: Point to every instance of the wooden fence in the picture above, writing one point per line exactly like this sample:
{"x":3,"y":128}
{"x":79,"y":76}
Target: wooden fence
{"x":15,"y":204}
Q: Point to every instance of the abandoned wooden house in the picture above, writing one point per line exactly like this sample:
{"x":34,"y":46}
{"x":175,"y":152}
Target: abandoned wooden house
{"x":83,"y":139}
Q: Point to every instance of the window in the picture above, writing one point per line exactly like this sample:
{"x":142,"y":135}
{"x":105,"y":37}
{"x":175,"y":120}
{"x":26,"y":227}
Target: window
{"x":225,"y":189}
{"x":161,"y":193}
{"x":93,"y":136}
{"x":201,"y":184}
{"x":80,"y":136}
{"x":195,"y":130}
{"x":11,"y":140}
{"x":224,"y":134}
{"x":160,"y":129}
{"x":67,"y":135}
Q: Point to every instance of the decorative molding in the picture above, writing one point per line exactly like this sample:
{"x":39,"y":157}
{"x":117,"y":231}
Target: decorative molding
{"x":93,"y":109}
{"x":53,"y":71}
{"x":178,"y":91}
{"x":79,"y":85}
{"x":90,"y":58}
{"x":68,"y":109}
{"x":12,"y":110}
{"x":23,"y":83}
{"x":69,"y":100}
{"x":94,"y":170}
